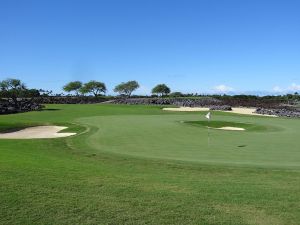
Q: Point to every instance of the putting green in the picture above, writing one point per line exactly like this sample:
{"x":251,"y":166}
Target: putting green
{"x":270,"y":142}
{"x":221,"y":124}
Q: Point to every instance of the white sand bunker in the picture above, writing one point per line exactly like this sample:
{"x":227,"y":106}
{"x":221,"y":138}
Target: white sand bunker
{"x":230,"y":128}
{"x":240,"y":110}
{"x":37,"y":133}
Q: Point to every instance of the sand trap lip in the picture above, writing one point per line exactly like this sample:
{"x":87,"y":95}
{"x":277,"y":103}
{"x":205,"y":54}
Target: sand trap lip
{"x":230,"y":128}
{"x":38,"y":132}
{"x":244,"y":111}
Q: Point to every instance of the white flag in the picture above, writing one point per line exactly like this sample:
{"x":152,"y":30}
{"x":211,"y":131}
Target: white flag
{"x":208,"y":116}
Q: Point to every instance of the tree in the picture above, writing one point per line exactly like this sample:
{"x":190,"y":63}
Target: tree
{"x":73,"y":86}
{"x":31,"y":93}
{"x":14,"y":89}
{"x":176,"y":94}
{"x":161,"y":89}
{"x":12,"y":84}
{"x":127,"y":88}
{"x":94,"y":87}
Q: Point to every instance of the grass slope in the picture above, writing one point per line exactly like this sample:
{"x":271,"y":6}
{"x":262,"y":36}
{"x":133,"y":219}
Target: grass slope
{"x":122,"y":170}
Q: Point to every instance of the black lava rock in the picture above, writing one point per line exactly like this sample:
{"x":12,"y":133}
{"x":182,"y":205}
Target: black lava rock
{"x":22,"y":105}
{"x":279,"y":112}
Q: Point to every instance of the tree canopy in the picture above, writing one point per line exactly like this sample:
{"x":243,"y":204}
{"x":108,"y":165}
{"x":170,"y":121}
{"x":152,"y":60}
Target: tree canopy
{"x":12,"y":85}
{"x":73,"y":86}
{"x":127,"y":88}
{"x":161,"y":89}
{"x":94,"y":87}
{"x":14,"y":89}
{"x":176,"y":94}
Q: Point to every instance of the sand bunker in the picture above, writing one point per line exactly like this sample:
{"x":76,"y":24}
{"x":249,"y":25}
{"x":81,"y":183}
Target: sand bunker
{"x":248,"y":111}
{"x":37,"y":133}
{"x":244,"y":111}
{"x":230,"y":128}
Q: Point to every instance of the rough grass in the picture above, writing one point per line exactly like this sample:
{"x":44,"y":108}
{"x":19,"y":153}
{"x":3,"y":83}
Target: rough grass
{"x":67,"y":181}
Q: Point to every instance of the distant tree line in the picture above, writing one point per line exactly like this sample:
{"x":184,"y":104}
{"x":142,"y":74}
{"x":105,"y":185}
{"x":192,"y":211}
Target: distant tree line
{"x":124,"y":89}
{"x":15,"y":88}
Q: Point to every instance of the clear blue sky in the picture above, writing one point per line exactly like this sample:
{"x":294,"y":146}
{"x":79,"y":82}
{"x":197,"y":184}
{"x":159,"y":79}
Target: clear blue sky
{"x":193,"y":46}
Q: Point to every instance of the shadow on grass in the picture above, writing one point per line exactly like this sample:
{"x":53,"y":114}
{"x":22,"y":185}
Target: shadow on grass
{"x":50,"y":109}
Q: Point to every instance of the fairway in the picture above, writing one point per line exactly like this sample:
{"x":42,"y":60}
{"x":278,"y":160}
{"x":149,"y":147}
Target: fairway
{"x":143,"y":165}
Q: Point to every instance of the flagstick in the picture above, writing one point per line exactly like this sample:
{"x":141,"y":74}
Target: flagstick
{"x":208,"y":117}
{"x":208,"y":137}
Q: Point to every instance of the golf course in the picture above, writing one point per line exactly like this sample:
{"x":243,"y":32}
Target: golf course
{"x":139,"y":164}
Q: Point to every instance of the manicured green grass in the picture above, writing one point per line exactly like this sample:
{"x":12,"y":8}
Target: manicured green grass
{"x":142,"y":165}
{"x":247,"y":126}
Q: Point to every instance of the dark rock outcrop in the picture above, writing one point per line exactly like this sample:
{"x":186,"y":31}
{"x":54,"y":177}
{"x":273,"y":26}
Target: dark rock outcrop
{"x":201,"y":102}
{"x":71,"y":100}
{"x":8,"y":106}
{"x":168,"y":101}
{"x":221,"y":107}
{"x":279,"y":112}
